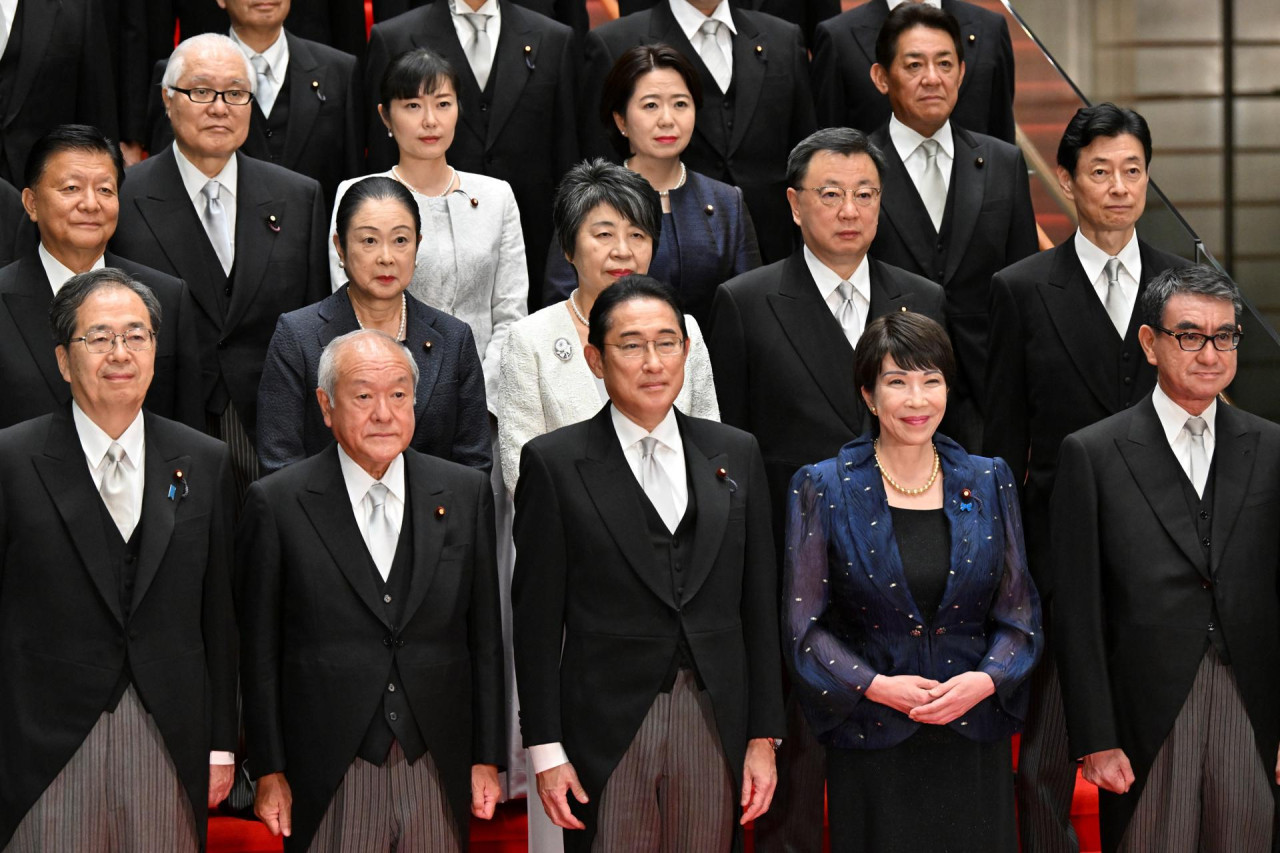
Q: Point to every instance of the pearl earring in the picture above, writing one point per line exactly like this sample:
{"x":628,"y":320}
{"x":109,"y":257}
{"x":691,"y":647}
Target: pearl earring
{"x":390,"y":135}
{"x":343,"y":266}
{"x":873,"y":410}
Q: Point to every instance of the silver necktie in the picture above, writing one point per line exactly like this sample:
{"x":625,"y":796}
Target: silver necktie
{"x":266,"y":94}
{"x":933,"y":189}
{"x":1117,"y":310}
{"x":1199,"y":473}
{"x":480,"y":51}
{"x":849,"y":318}
{"x":713,"y":55}
{"x":215,"y":225}
{"x":656,"y":484}
{"x":379,"y":533}
{"x":115,"y":491}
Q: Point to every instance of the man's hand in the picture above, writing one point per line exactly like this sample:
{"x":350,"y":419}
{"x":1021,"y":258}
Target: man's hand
{"x":953,"y":698}
{"x":133,"y":152}
{"x":759,"y":778}
{"x":220,"y":778}
{"x":553,"y":785}
{"x":273,"y":804}
{"x":1110,"y":770}
{"x":484,"y":790}
{"x":900,"y":692}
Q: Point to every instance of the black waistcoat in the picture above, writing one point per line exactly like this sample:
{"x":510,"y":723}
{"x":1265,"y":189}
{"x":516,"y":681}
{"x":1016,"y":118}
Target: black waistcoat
{"x":124,"y":566}
{"x":937,"y":270}
{"x":1200,"y":513}
{"x":275,"y":127}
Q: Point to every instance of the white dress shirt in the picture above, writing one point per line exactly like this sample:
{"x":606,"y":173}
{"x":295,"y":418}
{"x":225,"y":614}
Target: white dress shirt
{"x":8,"y":11}
{"x":358,"y":482}
{"x":907,"y":143}
{"x":1094,"y":262}
{"x":1172,"y":420}
{"x":827,"y":281}
{"x":467,"y":33}
{"x":194,"y":180}
{"x":277,"y":57}
{"x":57,"y":273}
{"x":690,"y":20}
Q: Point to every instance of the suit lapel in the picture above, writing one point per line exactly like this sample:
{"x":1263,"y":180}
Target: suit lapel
{"x":39,"y":19}
{"x":871,"y":526}
{"x":420,"y":330}
{"x":967,"y":184}
{"x":65,"y":475}
{"x":256,"y":204}
{"x":158,"y":512}
{"x":750,"y":59}
{"x":688,"y":214}
{"x":428,"y":529}
{"x":867,"y":29}
{"x":29,"y":307}
{"x":902,"y":205}
{"x":1233,"y":458}
{"x":304,"y":105}
{"x":1080,"y":321}
{"x":712,"y":496}
{"x":513,"y":63}
{"x":958,"y":475}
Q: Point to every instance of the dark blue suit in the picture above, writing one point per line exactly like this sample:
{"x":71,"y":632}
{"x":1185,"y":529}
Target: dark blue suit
{"x":851,"y":615}
{"x":451,"y":417}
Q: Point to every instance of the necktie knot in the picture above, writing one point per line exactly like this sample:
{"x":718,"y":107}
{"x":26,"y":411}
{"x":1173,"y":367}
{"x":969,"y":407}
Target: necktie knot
{"x":1113,"y":270}
{"x":710,"y":29}
{"x":845,"y":289}
{"x":1196,"y":426}
{"x":378,"y":495}
{"x":260,"y":65}
{"x":478,"y":21}
{"x":930,"y":148}
{"x":115,"y":453}
{"x":212,"y":190}
{"x":648,"y":445}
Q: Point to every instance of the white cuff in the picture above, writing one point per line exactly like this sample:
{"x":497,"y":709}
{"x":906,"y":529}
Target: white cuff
{"x":216,"y":757}
{"x":544,"y":756}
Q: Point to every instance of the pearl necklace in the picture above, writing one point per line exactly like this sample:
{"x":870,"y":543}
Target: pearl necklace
{"x":937,"y":466}
{"x":404,"y":317}
{"x":573,"y":305}
{"x":663,"y":193}
{"x":453,"y":174}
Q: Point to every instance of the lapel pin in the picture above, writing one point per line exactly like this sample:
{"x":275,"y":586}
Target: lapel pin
{"x":440,"y":512}
{"x":563,"y":349}
{"x":966,"y":500}
{"x":722,"y":474}
{"x":979,"y":162}
{"x":475,"y":202}
{"x":273,"y":223}
{"x":426,"y":345}
{"x":179,"y":480}
{"x":709,"y":210}
{"x":759,"y":51}
{"x":315,"y":87}
{"x":528,"y":56}
{"x":902,"y":308}
{"x":972,"y":38}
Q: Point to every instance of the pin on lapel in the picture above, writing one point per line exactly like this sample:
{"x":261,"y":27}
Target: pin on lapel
{"x":179,"y":481}
{"x":273,"y":223}
{"x":709,"y":210}
{"x":980,"y":162}
{"x":722,"y":474}
{"x":315,"y":87}
{"x":426,"y":345}
{"x":563,"y":349}
{"x":760,"y":52}
{"x":528,"y":57}
{"x":440,"y":511}
{"x":966,"y":500}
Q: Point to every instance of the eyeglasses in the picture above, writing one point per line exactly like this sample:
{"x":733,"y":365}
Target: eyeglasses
{"x":664,"y":347}
{"x":1195,"y":341}
{"x":834,"y":196}
{"x":101,"y":341}
{"x":231,"y":97}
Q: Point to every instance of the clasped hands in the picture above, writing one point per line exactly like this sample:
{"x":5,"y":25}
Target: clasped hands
{"x":927,"y":701}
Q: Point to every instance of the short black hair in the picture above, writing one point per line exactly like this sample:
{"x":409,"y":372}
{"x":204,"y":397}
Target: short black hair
{"x":1197,"y":280}
{"x":414,"y":73}
{"x":66,"y":303}
{"x":70,"y":137}
{"x":595,"y":182}
{"x":845,"y":141}
{"x":913,"y":341}
{"x":620,"y":85}
{"x":907,"y":16}
{"x":376,"y":187}
{"x":624,"y":290}
{"x":1104,"y":119}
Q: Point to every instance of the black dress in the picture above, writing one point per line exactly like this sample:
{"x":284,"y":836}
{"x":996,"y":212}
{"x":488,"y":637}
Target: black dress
{"x":938,"y":791}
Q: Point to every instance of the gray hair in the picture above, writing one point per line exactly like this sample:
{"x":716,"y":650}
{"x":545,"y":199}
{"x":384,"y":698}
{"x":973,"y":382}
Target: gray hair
{"x":838,"y":140}
{"x":204,"y":43}
{"x":327,"y":371}
{"x":66,"y":303}
{"x":1198,"y":280}
{"x":596,"y":182}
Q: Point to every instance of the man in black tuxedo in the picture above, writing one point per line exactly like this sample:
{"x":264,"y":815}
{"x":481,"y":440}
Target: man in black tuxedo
{"x":1165,"y":558}
{"x":306,"y":113}
{"x":73,"y":174}
{"x":117,"y":628}
{"x":781,"y":346}
{"x":248,"y":237}
{"x":1057,"y":362}
{"x":844,"y":49}
{"x":371,"y":636}
{"x":571,"y":13}
{"x":805,"y":13}
{"x":756,"y":103}
{"x":643,"y":546}
{"x":518,"y":102}
{"x":53,"y":70}
{"x":957,"y":204}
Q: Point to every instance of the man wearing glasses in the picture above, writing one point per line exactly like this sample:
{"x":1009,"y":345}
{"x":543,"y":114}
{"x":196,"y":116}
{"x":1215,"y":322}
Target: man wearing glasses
{"x":645,"y":604}
{"x":117,"y":629}
{"x":1165,"y":559}
{"x":248,"y":237}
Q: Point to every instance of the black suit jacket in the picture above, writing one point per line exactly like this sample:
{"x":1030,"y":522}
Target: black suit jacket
{"x":337,"y":23}
{"x":784,"y":369}
{"x":991,"y":225}
{"x":585,"y":576}
{"x":64,"y":644}
{"x":741,"y":138}
{"x":1136,"y":589}
{"x":324,"y":134}
{"x":844,"y":49}
{"x":1048,"y":374}
{"x":281,"y":263}
{"x":30,"y":369}
{"x":14,"y":224}
{"x":572,"y":13}
{"x":59,"y":71}
{"x":805,"y":13}
{"x":317,"y":648}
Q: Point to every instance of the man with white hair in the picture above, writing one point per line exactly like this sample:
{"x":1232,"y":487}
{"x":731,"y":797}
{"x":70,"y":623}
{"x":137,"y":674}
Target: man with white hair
{"x":248,"y":237}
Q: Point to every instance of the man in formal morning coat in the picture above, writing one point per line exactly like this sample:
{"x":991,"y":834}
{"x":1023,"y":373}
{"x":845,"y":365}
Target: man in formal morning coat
{"x":371,"y":636}
{"x":71,"y":194}
{"x":756,"y":102}
{"x":844,"y":49}
{"x":117,"y":629}
{"x":643,"y":547}
{"x":248,"y":237}
{"x":805,"y":13}
{"x":571,"y":13}
{"x":1165,"y":558}
{"x":781,"y":345}
{"x":1058,"y":360}
{"x":957,"y":205}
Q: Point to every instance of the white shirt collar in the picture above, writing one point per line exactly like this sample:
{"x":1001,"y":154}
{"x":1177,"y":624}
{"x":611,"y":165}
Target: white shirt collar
{"x":1173,"y":417}
{"x":56,"y":272}
{"x":95,"y":442}
{"x":358,"y":480}
{"x":1093,"y":259}
{"x":194,"y":180}
{"x":827,"y":280}
{"x":690,"y":19}
{"x":277,"y":55}
{"x":489,"y":7}
{"x":893,"y":4}
{"x":630,"y":433}
{"x":906,"y":141}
